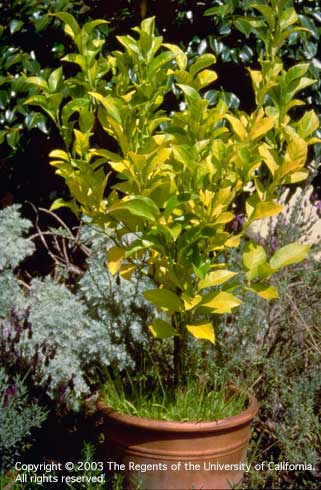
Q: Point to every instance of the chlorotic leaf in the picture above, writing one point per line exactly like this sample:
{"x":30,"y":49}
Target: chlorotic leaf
{"x":215,"y":278}
{"x":140,"y":206}
{"x":115,"y":256}
{"x":289,"y":254}
{"x":202,"y":331}
{"x":253,"y":256}
{"x":265,"y":291}
{"x":126,"y":271}
{"x":162,"y":329}
{"x":265,"y":209}
{"x":164,"y":299}
{"x":220,"y":303}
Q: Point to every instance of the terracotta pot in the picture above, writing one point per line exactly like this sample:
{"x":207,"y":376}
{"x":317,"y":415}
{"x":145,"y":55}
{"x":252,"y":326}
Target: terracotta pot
{"x":161,"y":455}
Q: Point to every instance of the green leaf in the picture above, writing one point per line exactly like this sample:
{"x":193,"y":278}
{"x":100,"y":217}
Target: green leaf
{"x":89,"y":26}
{"x":140,"y":206}
{"x":190,"y":92}
{"x":297,"y":71}
{"x":289,"y":254}
{"x":15,"y":25}
{"x":54,"y":79}
{"x":215,"y":278}
{"x":164,"y":299}
{"x":287,"y":18}
{"x":162,"y":329}
{"x":71,"y":25}
{"x":159,"y":61}
{"x":202,"y":330}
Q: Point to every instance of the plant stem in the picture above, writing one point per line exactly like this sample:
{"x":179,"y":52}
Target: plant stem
{"x":179,"y":348}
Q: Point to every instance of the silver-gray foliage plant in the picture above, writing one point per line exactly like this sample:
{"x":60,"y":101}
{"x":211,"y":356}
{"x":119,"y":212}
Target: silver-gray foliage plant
{"x":73,"y":333}
{"x":18,"y":417}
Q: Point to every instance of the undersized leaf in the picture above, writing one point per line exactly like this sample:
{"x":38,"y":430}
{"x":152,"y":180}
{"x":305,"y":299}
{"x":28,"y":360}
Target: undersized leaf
{"x":162,"y":329}
{"x":203,"y":330}
{"x":215,"y":278}
{"x":289,"y":254}
{"x":265,"y":291}
{"x":115,"y":256}
{"x":164,"y":299}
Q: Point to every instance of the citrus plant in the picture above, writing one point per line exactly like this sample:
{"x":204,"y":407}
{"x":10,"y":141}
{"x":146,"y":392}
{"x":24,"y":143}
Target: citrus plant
{"x":177,"y":190}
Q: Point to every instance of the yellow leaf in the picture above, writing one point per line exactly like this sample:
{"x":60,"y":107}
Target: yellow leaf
{"x":237,"y":126}
{"x":205,"y":77}
{"x":233,"y":242}
{"x":115,"y":256}
{"x":224,"y":218}
{"x":126,"y":271}
{"x":253,"y":256}
{"x":62,"y":155}
{"x":289,"y":254}
{"x":202,"y":331}
{"x":261,"y":127}
{"x":118,"y":166}
{"x":215,"y":278}
{"x":297,"y":176}
{"x":190,"y":303}
{"x":162,"y":329}
{"x":268,"y":157}
{"x":220,"y":303}
{"x":264,"y":291}
{"x":296,"y":151}
{"x":265,"y":209}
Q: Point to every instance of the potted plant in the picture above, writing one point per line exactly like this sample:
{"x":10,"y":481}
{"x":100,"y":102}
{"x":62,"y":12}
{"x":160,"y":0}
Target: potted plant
{"x":178,"y":190}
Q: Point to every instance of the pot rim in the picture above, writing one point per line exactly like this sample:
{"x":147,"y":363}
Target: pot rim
{"x":244,"y":418}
